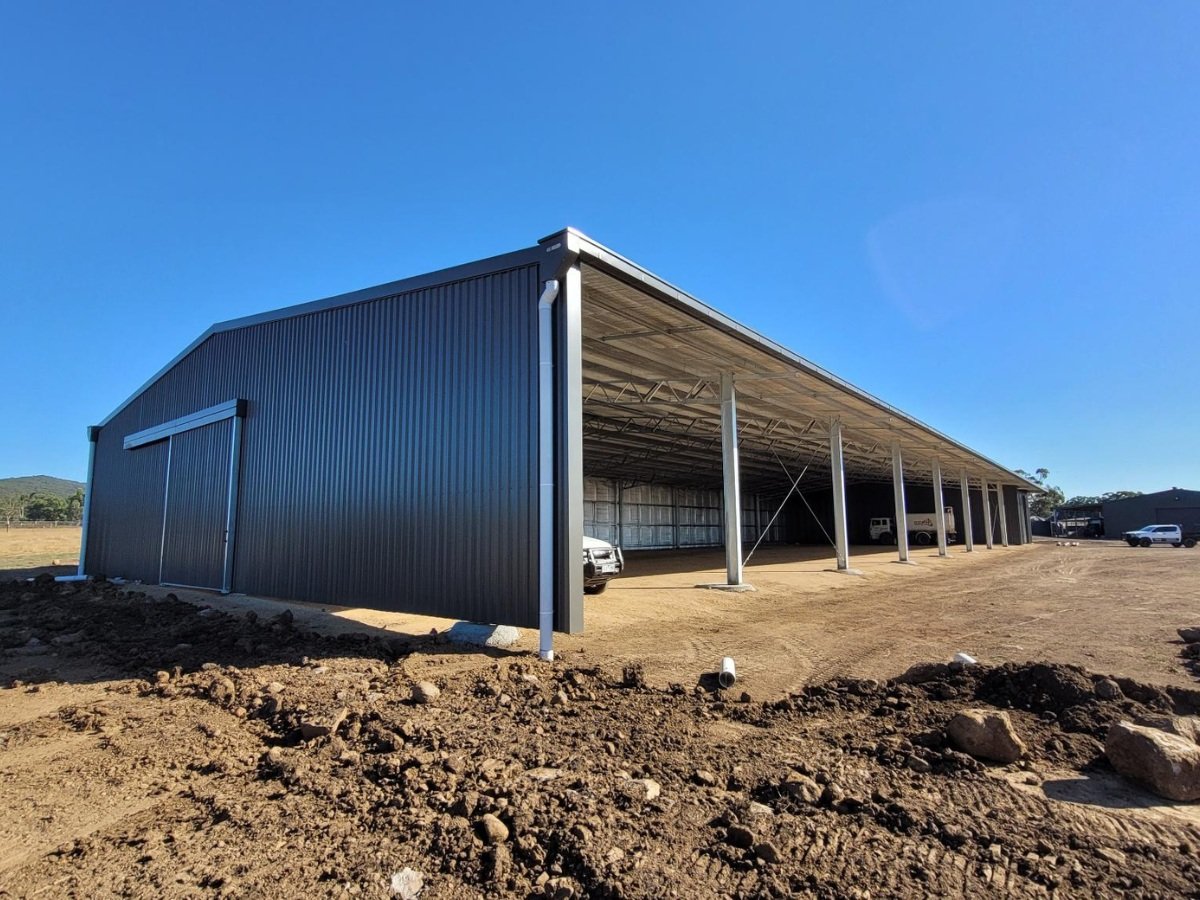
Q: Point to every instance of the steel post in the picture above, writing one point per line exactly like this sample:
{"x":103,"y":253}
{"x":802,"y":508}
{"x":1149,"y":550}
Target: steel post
{"x":966,"y":528}
{"x":1000,"y":513}
{"x":733,"y":488}
{"x":901,"y":523}
{"x":939,"y":507}
{"x":841,"y":536}
{"x":987,"y":512}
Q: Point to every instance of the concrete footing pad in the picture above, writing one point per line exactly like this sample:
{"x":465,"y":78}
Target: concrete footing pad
{"x":845,"y":571}
{"x":482,"y":635}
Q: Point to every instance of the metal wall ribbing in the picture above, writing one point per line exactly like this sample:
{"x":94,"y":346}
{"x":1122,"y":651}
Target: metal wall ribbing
{"x":389,"y":453}
{"x":193,"y":545}
{"x":124,"y":532}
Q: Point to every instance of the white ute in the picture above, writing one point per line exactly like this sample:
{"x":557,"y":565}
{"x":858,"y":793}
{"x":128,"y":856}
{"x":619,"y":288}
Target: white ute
{"x":601,"y":563}
{"x":1149,"y":535}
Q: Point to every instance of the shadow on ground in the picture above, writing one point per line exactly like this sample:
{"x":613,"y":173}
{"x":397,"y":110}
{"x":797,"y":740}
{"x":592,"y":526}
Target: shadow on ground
{"x":81,"y":632}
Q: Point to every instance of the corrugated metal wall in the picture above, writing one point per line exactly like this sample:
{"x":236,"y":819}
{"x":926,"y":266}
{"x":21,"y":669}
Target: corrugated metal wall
{"x":125,"y":525}
{"x":193,"y":544}
{"x":657,"y":517}
{"x":1159,"y":508}
{"x":389,"y":453}
{"x":699,"y":517}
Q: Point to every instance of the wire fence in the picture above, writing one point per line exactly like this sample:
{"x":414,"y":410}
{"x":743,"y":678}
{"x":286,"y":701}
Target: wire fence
{"x":40,"y":523}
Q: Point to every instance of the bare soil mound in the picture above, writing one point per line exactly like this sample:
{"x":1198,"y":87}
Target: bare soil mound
{"x":213,"y":755}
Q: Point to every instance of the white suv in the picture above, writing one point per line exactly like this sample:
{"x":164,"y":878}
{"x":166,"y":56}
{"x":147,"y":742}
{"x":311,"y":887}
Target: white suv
{"x":1150,"y":535}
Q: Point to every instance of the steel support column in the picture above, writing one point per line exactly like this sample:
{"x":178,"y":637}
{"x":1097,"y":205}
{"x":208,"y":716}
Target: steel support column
{"x":93,"y":433}
{"x":939,"y":507}
{"x":987,"y":512}
{"x":1001,"y":514}
{"x":733,"y":488}
{"x":568,"y":453}
{"x":901,"y":523}
{"x":965,"y":528}
{"x":841,"y":535}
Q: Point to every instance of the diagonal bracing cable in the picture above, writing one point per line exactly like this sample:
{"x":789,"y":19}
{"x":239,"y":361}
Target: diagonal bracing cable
{"x":806,"y":503}
{"x":782,"y":503}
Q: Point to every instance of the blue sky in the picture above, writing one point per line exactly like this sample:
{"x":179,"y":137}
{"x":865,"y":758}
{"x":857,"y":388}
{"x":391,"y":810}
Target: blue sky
{"x":988,"y":215}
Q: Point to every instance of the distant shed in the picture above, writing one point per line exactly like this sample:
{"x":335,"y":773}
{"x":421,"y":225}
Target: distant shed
{"x":1174,"y":507}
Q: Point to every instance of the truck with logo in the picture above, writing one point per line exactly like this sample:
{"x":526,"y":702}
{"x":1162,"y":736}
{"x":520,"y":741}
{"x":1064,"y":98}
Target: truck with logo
{"x":922,"y":528}
{"x":1173,"y":535}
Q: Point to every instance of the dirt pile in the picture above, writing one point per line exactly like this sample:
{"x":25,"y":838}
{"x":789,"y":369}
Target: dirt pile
{"x":244,"y":757}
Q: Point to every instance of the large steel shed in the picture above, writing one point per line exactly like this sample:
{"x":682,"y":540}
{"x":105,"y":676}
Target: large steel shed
{"x":433,"y":444}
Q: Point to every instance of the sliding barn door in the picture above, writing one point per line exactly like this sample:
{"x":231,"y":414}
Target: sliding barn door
{"x":197,"y":506}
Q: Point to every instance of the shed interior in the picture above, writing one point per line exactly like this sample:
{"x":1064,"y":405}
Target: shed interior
{"x":652,"y":454}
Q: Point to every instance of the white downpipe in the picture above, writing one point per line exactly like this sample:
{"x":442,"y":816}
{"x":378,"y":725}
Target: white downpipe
{"x":546,"y":471}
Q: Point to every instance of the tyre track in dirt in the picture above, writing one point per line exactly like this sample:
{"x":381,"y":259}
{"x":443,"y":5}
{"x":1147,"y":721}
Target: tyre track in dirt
{"x":1040,"y":601}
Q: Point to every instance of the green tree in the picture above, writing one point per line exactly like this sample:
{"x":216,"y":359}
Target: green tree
{"x":1088,"y":500}
{"x":45,"y":508}
{"x":1118,"y":495}
{"x":75,"y":505}
{"x":1043,"y":504}
{"x":12,"y":508}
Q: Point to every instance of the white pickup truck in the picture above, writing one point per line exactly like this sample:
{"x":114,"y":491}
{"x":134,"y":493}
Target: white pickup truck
{"x":922,"y":528}
{"x":601,"y":563}
{"x":1149,"y":535}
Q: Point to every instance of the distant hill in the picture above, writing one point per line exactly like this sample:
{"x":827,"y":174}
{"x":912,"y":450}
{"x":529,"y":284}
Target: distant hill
{"x":39,"y":484}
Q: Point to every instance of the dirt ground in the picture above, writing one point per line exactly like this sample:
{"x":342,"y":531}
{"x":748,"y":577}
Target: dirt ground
{"x":1102,"y":605}
{"x":154,"y":747}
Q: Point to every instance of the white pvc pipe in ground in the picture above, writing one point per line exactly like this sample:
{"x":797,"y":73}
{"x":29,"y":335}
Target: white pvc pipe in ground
{"x":728,"y":674}
{"x":546,"y":472}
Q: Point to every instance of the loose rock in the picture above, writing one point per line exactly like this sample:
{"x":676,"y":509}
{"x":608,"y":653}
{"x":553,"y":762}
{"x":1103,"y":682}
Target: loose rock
{"x":802,"y":788}
{"x":407,"y":884}
{"x":767,"y":852}
{"x":644,"y":789}
{"x":491,"y":830}
{"x":1167,"y":763}
{"x":425,"y":692}
{"x":985,"y":734}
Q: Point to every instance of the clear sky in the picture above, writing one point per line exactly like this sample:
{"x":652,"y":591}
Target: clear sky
{"x":986,"y":214}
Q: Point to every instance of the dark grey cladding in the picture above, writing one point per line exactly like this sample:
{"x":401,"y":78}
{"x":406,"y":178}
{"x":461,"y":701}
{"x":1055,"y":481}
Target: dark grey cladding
{"x":389,"y":453}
